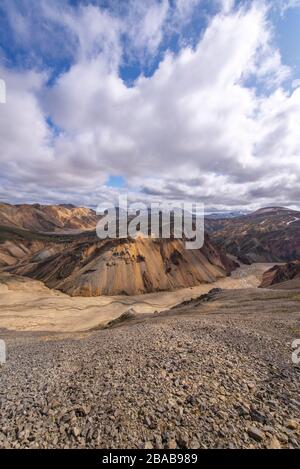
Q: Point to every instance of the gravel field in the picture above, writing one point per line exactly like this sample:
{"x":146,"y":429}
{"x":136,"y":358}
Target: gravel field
{"x":212,"y":373}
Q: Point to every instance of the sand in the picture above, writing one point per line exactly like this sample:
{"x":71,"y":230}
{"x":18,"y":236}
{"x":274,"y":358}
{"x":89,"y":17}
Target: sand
{"x":27,"y":305}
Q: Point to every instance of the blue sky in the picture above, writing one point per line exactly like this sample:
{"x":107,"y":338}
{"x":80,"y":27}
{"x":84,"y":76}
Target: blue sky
{"x":288,"y":37}
{"x":15,"y":54}
{"x":161,"y":98}
{"x":57,"y":59}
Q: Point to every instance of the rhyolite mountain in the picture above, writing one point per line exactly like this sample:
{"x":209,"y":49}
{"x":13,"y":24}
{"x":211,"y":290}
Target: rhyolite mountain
{"x":58,"y":246}
{"x":267,"y":235}
{"x":47,"y":218}
{"x":87,"y":266}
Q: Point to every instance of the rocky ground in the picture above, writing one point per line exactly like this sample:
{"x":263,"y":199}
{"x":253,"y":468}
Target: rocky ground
{"x":207,"y":374}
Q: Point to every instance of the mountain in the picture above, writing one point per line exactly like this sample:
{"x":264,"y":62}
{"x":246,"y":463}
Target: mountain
{"x":58,"y":246}
{"x":17,"y":244}
{"x":83,"y":265}
{"x":282,"y":274}
{"x":47,"y":218}
{"x":270,"y":234}
{"x":223,"y":215}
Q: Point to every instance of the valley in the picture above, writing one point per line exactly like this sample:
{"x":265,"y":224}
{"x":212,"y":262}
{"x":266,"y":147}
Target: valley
{"x":139,"y":343}
{"x":28,"y":305}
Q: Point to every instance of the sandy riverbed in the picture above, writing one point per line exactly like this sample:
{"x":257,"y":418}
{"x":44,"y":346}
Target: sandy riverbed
{"x":27,"y":305}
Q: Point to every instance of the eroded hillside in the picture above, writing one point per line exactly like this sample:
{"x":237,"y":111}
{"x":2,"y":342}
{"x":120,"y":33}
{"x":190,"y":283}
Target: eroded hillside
{"x":87,"y":266}
{"x":267,"y":235}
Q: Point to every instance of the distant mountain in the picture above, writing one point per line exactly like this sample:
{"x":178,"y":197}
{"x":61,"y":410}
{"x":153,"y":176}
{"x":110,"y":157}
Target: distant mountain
{"x":47,"y":218}
{"x":224,"y":215}
{"x":270,"y":234}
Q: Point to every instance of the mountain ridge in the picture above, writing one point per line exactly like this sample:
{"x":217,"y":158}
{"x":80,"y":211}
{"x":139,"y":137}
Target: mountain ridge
{"x":88,"y":266}
{"x":46,"y":218}
{"x":266,"y":235}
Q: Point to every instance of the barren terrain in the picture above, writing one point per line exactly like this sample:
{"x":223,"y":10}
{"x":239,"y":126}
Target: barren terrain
{"x":27,"y":305}
{"x":208,"y":366}
{"x":213,"y":373}
{"x":268,"y":235}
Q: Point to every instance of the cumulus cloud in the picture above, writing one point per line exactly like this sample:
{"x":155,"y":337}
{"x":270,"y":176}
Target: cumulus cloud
{"x":197,"y":128}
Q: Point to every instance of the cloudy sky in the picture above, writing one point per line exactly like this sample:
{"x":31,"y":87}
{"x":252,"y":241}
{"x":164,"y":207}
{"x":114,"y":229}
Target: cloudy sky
{"x":190,"y":99}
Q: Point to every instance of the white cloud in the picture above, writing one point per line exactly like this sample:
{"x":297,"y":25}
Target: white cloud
{"x":287,"y":4}
{"x":194,"y":128}
{"x":145,"y":24}
{"x":227,"y":5}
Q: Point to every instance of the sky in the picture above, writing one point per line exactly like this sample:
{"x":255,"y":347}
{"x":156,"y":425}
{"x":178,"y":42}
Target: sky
{"x":159,"y":99}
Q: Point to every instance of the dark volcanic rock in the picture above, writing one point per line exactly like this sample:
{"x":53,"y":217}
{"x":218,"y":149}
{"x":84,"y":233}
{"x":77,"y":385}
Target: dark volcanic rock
{"x":281,"y":273}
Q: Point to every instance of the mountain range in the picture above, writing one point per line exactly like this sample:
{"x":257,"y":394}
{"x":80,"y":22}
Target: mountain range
{"x":58,"y":245}
{"x":47,"y":217}
{"x":267,"y":235}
